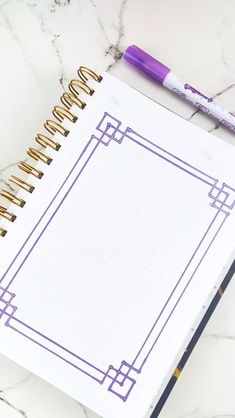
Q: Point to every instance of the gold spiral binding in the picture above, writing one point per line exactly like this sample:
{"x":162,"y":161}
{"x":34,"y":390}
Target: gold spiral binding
{"x":54,"y":127}
{"x":12,"y":198}
{"x":29,"y":169}
{"x":23,"y":184}
{"x":3,"y":232}
{"x":83,"y":71}
{"x":75,"y":84}
{"x":45,"y":141}
{"x":68,"y":99}
{"x":7,"y":215}
{"x":38,"y":155}
{"x":60,"y":113}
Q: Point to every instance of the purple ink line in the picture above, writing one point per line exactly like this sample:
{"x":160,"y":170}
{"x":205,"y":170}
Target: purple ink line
{"x":159,"y":155}
{"x":52,"y":216}
{"x":169,"y":153}
{"x":146,"y":140}
{"x":171,"y":162}
{"x":173,"y":309}
{"x":53,"y":342}
{"x":56,"y":354}
{"x":40,"y":219}
{"x":176,"y":285}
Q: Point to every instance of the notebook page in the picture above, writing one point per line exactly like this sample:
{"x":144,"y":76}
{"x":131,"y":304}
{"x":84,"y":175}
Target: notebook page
{"x":118,"y":252}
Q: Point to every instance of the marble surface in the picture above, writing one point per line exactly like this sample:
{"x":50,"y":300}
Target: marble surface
{"x":42,"y":43}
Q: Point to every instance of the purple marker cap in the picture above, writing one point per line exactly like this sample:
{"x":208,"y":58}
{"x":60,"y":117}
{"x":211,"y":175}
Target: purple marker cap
{"x":146,"y":63}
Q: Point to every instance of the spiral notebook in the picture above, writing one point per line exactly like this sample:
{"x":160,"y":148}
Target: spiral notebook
{"x":113,"y":246}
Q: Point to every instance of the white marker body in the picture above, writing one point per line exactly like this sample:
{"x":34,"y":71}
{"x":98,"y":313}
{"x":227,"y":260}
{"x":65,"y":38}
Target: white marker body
{"x":199,"y":100}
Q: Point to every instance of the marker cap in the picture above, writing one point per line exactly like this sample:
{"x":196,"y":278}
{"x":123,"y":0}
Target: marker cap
{"x":146,"y":63}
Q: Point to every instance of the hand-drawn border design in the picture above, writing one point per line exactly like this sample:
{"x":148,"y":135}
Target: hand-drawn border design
{"x":119,"y":380}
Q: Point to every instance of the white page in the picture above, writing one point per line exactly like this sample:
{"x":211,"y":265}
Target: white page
{"x":111,"y":264}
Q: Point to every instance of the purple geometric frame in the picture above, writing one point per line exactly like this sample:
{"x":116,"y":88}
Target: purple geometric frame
{"x":119,"y":380}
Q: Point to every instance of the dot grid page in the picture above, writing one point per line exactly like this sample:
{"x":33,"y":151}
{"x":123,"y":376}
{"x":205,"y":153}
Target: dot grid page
{"x":104,"y":288}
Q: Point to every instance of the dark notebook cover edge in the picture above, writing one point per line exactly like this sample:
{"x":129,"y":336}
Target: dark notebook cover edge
{"x":193,"y":342}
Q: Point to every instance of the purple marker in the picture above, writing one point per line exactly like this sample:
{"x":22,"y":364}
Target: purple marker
{"x":167,"y":78}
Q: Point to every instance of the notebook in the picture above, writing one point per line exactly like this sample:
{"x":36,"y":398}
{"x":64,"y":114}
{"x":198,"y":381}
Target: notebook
{"x":114,"y":245}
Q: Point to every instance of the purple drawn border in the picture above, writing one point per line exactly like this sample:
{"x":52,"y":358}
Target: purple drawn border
{"x":222,"y":198}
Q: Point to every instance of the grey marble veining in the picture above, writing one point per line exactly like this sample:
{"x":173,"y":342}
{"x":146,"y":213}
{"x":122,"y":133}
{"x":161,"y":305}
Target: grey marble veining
{"x":42,"y":43}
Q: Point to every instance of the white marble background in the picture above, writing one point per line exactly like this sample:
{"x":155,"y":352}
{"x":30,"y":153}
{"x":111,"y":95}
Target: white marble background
{"x":42,"y":43}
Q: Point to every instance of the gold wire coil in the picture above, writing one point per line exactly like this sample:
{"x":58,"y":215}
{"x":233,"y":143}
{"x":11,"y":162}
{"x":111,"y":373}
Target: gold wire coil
{"x":38,"y":155}
{"x":54,"y":127}
{"x":29,"y":169}
{"x":75,"y":93}
{"x":12,"y":198}
{"x":60,"y":113}
{"x":7,"y":215}
{"x":68,"y":99}
{"x":45,"y":141}
{"x":3,"y":232}
{"x":75,"y":84}
{"x":84,"y":71}
{"x":21,"y":183}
